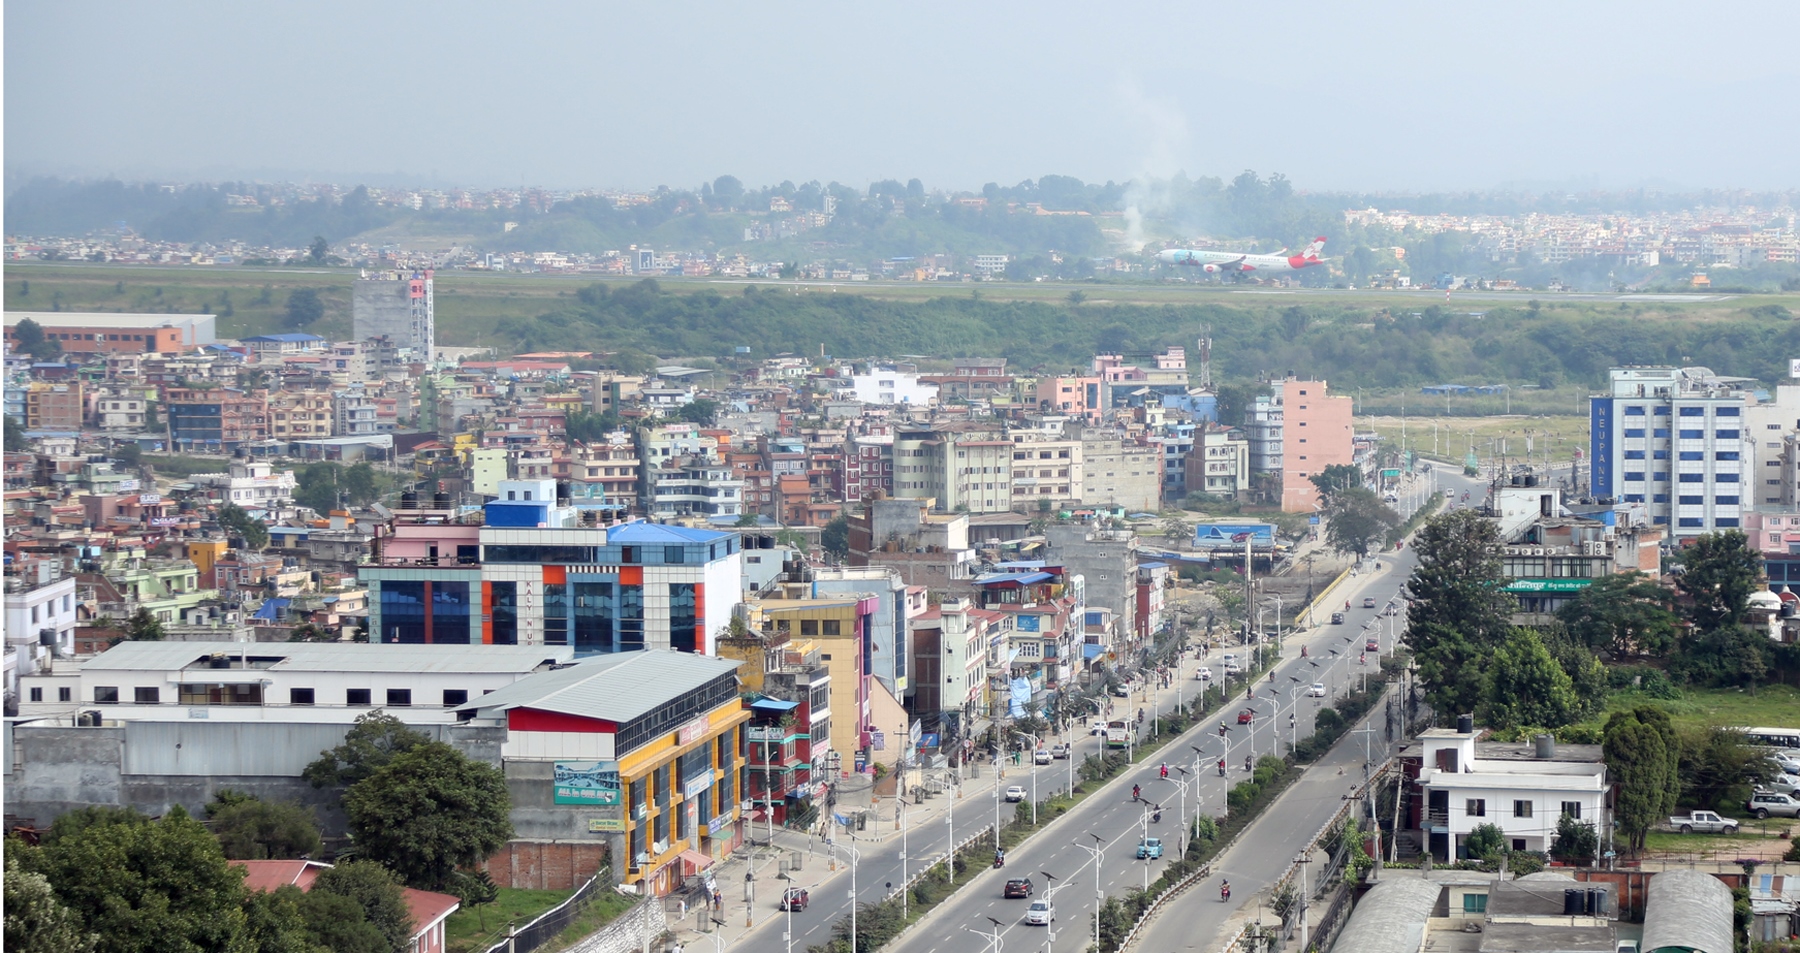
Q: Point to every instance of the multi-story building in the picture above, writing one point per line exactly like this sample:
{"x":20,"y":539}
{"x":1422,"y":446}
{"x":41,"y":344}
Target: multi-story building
{"x":1524,"y":789}
{"x":1317,"y":432}
{"x":530,"y":575}
{"x":972,"y":379}
{"x":789,"y":736}
{"x":1219,"y":463}
{"x":216,"y":419}
{"x":868,"y":466}
{"x":642,"y":751}
{"x":1117,"y":471}
{"x":952,"y":644}
{"x":40,"y":617}
{"x":99,"y":333}
{"x":251,"y":484}
{"x":926,"y":549}
{"x":1264,"y":432}
{"x":1047,"y":613}
{"x":890,"y":639}
{"x":400,"y":307}
{"x":891,"y":385}
{"x":700,"y":486}
{"x":1106,"y":561}
{"x":300,"y":415}
{"x":1046,"y":468}
{"x":604,"y":470}
{"x":353,"y":412}
{"x":120,"y":409}
{"x":1078,"y":397}
{"x":964,"y":468}
{"x":1672,"y":439}
{"x":839,"y":626}
{"x":54,"y":406}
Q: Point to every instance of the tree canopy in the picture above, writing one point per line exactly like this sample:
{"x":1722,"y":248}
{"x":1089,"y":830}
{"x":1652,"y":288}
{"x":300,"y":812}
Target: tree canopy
{"x":375,"y":890}
{"x":371,"y":743}
{"x":304,"y":307}
{"x":1643,"y":759}
{"x":1718,"y":573}
{"x":1337,"y":476}
{"x":1624,"y":614}
{"x":428,"y":812}
{"x":1526,"y":687}
{"x":1459,"y":612}
{"x":37,"y":922}
{"x":253,"y":829}
{"x":1356,"y":520}
{"x":237,"y":520}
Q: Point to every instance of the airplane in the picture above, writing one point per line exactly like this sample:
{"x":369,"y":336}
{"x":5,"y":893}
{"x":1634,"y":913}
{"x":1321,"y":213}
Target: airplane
{"x":1214,"y":262}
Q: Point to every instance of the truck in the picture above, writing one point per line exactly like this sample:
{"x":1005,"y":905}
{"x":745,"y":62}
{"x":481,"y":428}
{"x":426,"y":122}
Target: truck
{"x":1118,"y":734}
{"x":1705,"y":822}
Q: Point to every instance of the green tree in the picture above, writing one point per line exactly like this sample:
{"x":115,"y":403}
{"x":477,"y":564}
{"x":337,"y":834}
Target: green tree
{"x":747,"y":520}
{"x":1623,"y":614}
{"x":1526,"y":686}
{"x":146,"y":886}
{"x":1485,"y":841}
{"x":29,"y":338}
{"x":1718,"y":769}
{"x":1717,"y":573}
{"x":1731,"y":655}
{"x":265,"y":830}
{"x":428,"y":812}
{"x":1337,"y":476}
{"x":1459,"y":612}
{"x":274,"y":923}
{"x":303,"y":308}
{"x":16,"y":442}
{"x":1356,"y":520}
{"x":1643,"y":758}
{"x":311,"y":632}
{"x":834,"y":538}
{"x":319,"y":250}
{"x":476,"y":890}
{"x":338,"y":924}
{"x":238,"y":521}
{"x":1576,"y":840}
{"x":1077,"y":298}
{"x":371,"y":744}
{"x":143,"y":626}
{"x":699,"y":411}
{"x":727,"y":191}
{"x":36,"y":922}
{"x":376,"y":890}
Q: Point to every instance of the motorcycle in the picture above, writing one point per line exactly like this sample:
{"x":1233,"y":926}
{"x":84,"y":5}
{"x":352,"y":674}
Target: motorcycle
{"x":1249,"y":763}
{"x":1225,"y":893}
{"x":999,"y":861}
{"x":1221,"y":767}
{"x":1135,"y":792}
{"x":1156,"y":817}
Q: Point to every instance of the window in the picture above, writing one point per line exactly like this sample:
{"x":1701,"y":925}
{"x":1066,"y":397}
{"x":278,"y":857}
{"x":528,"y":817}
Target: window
{"x":147,"y":696}
{"x":1474,"y":903}
{"x":1726,"y":434}
{"x":455,"y":696}
{"x":37,"y":694}
{"x":628,"y":555}
{"x":399,"y":697}
{"x":300,"y":696}
{"x":1634,"y":432}
{"x":1634,"y":411}
{"x":1692,"y":434}
{"x":1691,"y":500}
{"x":1693,"y":455}
{"x":1518,"y":843}
{"x":1477,"y":807}
{"x":357,"y":697}
{"x":809,"y":627}
{"x":673,"y":555}
{"x":828,"y":627}
{"x":1571,"y":809}
{"x":64,"y":694}
{"x":1521,"y":808}
{"x":106,"y":694}
{"x":1693,"y":411}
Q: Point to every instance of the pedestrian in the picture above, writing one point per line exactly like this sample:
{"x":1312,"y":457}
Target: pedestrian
{"x":684,"y":908}
{"x":718,"y":901}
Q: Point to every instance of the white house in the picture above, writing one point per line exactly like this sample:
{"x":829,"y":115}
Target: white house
{"x":886,"y":385}
{"x":1524,"y":789}
{"x":40,"y":616}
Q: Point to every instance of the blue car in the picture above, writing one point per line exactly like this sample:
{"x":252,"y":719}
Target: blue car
{"x":1149,"y":848}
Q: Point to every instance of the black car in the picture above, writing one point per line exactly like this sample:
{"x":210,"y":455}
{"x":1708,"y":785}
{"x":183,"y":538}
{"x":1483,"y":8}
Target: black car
{"x":1017,"y":888}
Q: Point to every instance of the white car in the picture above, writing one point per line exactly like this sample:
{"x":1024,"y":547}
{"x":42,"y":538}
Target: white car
{"x":1015,"y":794}
{"x":1040,"y":914}
{"x":1231,"y":667}
{"x":1316,"y":691}
{"x":1204,"y":674}
{"x":1042,"y":756}
{"x":1788,"y":763}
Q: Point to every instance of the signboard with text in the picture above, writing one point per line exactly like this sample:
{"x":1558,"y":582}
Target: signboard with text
{"x":606,"y":825}
{"x":586,"y":782}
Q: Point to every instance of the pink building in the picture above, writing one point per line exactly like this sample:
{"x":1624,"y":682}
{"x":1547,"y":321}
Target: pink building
{"x":1075,"y":396}
{"x":1318,"y":432}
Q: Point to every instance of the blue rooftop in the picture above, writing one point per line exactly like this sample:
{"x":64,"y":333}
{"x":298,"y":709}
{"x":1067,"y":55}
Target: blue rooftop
{"x":1013,"y":578}
{"x":653,"y":533}
{"x":290,"y":337}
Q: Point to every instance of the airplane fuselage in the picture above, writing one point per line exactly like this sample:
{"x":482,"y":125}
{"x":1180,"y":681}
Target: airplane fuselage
{"x":1231,"y":261}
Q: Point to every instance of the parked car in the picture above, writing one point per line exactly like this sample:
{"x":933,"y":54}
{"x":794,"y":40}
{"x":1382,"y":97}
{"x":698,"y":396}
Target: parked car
{"x":1337,"y":618}
{"x":795,"y":899}
{"x":1204,"y":674}
{"x":1786,"y":762}
{"x":1149,"y":848}
{"x":1119,"y":690}
{"x":1245,"y":716}
{"x":1017,"y":888}
{"x":1316,"y":691}
{"x":1040,"y":914}
{"x":1015,"y":794}
{"x":1765,"y":803}
{"x":1059,"y":751}
{"x":1368,"y":602}
{"x":1704,"y":822}
{"x":1041,"y":756}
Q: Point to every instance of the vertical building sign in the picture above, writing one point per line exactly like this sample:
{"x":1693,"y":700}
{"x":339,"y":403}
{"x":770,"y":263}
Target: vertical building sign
{"x":1600,"y":416}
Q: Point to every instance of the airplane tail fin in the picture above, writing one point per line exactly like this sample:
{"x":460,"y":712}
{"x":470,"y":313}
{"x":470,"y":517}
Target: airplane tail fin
{"x":1317,"y":246}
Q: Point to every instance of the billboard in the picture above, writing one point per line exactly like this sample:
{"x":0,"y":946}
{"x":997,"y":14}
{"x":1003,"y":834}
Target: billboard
{"x":586,"y":782}
{"x":1600,"y":420}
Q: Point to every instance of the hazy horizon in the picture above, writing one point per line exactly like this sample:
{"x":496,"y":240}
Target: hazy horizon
{"x":1413,"y":98}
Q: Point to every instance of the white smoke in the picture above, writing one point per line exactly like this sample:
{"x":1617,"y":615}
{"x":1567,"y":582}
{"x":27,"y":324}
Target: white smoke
{"x":1166,"y":140}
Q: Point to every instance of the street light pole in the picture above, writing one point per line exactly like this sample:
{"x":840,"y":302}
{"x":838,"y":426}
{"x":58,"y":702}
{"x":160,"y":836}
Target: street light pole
{"x":900,"y":819}
{"x":1181,"y":842}
{"x":1099,"y":895}
{"x":787,"y":936}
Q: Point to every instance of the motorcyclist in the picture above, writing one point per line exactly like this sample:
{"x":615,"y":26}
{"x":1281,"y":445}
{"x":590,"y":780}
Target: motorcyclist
{"x":1221,"y":729}
{"x":1165,"y":771}
{"x":1225,"y":891}
{"x":999,"y":858}
{"x":1136,"y":792}
{"x":1221,"y":767}
{"x":1156,"y":815}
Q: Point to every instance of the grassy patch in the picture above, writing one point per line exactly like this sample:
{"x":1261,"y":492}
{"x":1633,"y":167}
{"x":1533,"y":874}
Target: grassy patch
{"x":1773,"y":706}
{"x":601,"y":908}
{"x":169,"y":465}
{"x":463,"y":932}
{"x":1754,"y":839}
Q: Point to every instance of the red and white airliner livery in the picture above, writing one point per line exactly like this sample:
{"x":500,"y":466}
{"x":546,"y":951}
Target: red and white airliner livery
{"x":1239,"y":262}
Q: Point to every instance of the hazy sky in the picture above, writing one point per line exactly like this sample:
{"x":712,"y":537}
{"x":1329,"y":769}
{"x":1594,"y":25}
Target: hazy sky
{"x":1393,"y":96}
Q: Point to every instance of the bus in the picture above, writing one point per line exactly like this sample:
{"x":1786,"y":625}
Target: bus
{"x":1784,"y":739}
{"x":1118,"y":734}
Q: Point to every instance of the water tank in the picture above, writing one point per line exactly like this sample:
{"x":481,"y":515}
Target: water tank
{"x":1465,"y":724}
{"x":1574,"y":902}
{"x":409,"y":500}
{"x":442,"y":501}
{"x":1544,"y":746}
{"x":1531,"y":479}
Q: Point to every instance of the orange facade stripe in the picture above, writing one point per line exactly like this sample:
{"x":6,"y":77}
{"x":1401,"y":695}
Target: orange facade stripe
{"x":556,"y":575}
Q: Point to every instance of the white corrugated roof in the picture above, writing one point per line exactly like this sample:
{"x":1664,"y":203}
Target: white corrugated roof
{"x":612,"y":687}
{"x":334,"y":656}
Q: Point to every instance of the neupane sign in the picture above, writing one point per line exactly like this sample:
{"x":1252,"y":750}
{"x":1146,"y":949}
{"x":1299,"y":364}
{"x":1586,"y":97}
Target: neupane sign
{"x":587,"y":782}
